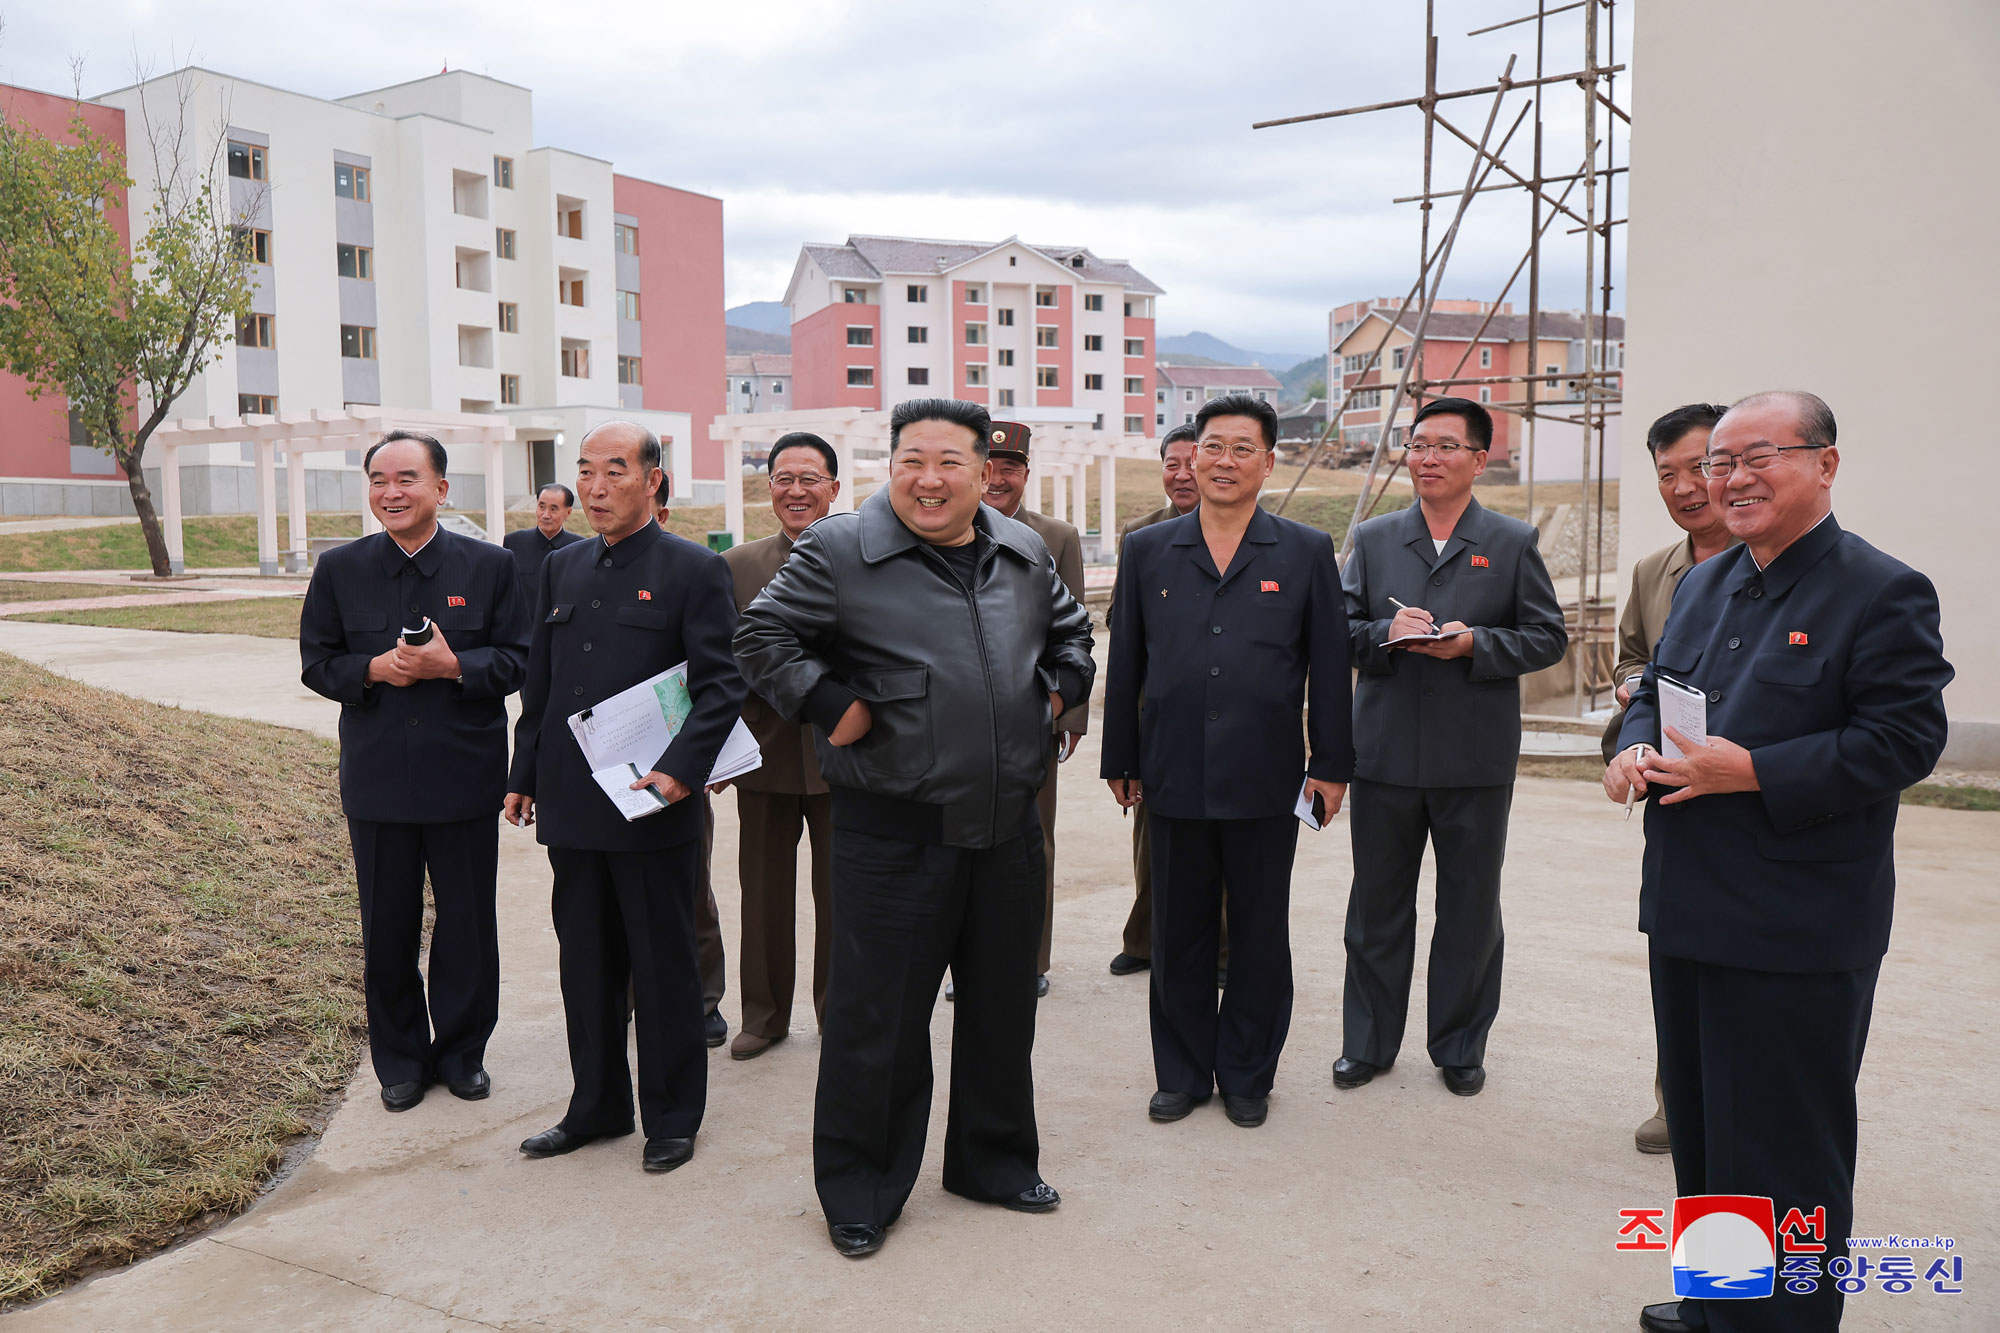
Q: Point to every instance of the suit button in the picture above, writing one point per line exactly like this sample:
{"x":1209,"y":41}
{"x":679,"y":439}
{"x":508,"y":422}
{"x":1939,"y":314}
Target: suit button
{"x":415,"y":610}
{"x":1429,"y":692}
{"x":595,"y":603}
{"x":605,"y":563}
{"x":1438,"y":582}
{"x":1736,"y":643}
{"x":413,"y":722}
{"x":1715,"y":696}
{"x":1215,"y":629}
{"x":1755,"y":593}
{"x":1213,"y":714}
{"x":1215,"y":671}
{"x":579,"y":689}
{"x":586,"y":647}
{"x":1221,"y":591}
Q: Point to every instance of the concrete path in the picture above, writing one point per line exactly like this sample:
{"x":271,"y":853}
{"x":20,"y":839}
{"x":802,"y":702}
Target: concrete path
{"x":8,"y":527}
{"x":1396,"y":1206}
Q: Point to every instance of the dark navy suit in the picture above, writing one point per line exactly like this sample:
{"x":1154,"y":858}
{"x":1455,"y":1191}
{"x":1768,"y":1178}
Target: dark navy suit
{"x":1223,"y":662}
{"x":530,"y":548}
{"x":1769,"y":910}
{"x":423,"y":771}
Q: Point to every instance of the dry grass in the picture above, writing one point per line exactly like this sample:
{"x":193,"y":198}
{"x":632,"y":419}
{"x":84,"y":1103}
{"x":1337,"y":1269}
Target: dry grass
{"x":26,"y":590}
{"x":265,"y":617}
{"x":180,"y":969}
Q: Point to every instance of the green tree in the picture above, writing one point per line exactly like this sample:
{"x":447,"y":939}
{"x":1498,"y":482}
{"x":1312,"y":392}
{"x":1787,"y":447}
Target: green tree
{"x":121,"y":336}
{"x":1316,"y":389}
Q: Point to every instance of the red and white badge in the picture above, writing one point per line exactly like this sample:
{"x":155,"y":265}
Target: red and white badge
{"x":454,"y":601}
{"x":1268,"y":585}
{"x":645,"y":596}
{"x":1798,"y":639}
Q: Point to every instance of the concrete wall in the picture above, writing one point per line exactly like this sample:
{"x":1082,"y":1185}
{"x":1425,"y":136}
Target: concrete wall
{"x":1801,"y":173}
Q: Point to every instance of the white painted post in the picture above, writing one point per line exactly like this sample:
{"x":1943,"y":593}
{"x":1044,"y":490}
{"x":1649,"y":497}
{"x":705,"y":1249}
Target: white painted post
{"x":1107,"y":499}
{"x":843,"y":450}
{"x":170,"y":507}
{"x":1061,"y":493}
{"x":267,"y":506}
{"x":496,"y":490}
{"x":732,"y":484}
{"x":295,"y":510}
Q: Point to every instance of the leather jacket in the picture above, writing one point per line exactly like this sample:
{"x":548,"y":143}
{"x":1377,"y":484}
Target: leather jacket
{"x":957,"y":682}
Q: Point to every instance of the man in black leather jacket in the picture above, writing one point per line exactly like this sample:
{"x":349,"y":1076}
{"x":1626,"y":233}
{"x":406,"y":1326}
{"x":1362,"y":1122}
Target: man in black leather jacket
{"x":932,"y":644}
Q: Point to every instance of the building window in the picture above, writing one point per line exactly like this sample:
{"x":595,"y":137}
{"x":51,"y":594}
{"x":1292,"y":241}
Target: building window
{"x":1485,"y":394}
{"x":777,"y":386}
{"x":1135,"y":386}
{"x":1486,"y":358}
{"x":1045,"y":336}
{"x":1046,"y":378}
{"x":350,"y":182}
{"x":569,"y":291}
{"x":247,"y":161}
{"x":1128,"y":315}
{"x":1006,"y":395}
{"x":1045,"y":296}
{"x":975,"y":295}
{"x":576,"y":361}
{"x":1159,"y":418}
{"x":1396,"y":358}
{"x":253,"y":245}
{"x":860,"y":335}
{"x":1159,"y":395}
{"x":919,"y":334}
{"x":256,"y":404}
{"x":1187,"y":418}
{"x":975,"y":375}
{"x":744,"y":387}
{"x":1005,"y":356}
{"x":975,"y":335}
{"x":1135,"y":425}
{"x":1263,"y":397}
{"x":1093,"y":381}
{"x":1004,"y":315}
{"x":503,"y":174}
{"x":510,"y":317}
{"x":860,"y":377}
{"x":1187,"y":395}
{"x":256,"y":331}
{"x":503,"y":242}
{"x":1094,"y":301}
{"x":628,"y":370}
{"x":1135,"y":347}
{"x":628,"y":305}
{"x":510,"y":390}
{"x":854,"y":295}
{"x":1093,"y":342}
{"x":569,"y":222}
{"x":624,"y":238}
{"x":355,"y":261}
{"x":1552,"y":370}
{"x":357,"y":340}
{"x":918,"y":293}
{"x":920,"y":375}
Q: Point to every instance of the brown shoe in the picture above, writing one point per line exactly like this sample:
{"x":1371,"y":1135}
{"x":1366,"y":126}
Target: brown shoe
{"x":748,"y":1045}
{"x":1651,"y":1137}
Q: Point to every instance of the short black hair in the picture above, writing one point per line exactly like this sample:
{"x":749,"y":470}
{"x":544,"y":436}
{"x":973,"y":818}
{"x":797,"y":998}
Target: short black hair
{"x":568,"y":495}
{"x":1240,"y":405}
{"x":429,"y":442}
{"x":955,"y":411}
{"x":1671,"y":427}
{"x":1478,"y":421}
{"x":805,"y":439}
{"x":1178,"y":435}
{"x":1816,"y":424}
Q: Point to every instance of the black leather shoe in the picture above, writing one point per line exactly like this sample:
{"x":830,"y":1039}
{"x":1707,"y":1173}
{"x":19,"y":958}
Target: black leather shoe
{"x":555,"y":1142}
{"x":1353,"y":1073}
{"x":1672,"y":1317}
{"x":1040,"y":1197}
{"x":855,"y":1239}
{"x":666,"y":1154}
{"x":1248,"y":1112}
{"x":402,"y":1096}
{"x":1465,"y":1080}
{"x":1167,"y":1107}
{"x":474,"y":1087}
{"x":1041,"y":985}
{"x":1125,"y":964}
{"x":715,"y":1028}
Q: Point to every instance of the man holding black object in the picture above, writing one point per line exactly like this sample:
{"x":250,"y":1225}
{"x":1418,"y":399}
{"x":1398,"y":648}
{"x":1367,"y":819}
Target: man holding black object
{"x":423,"y":761}
{"x":931,"y":642}
{"x":1770,"y":858}
{"x":613,"y":612}
{"x":1437,"y":736}
{"x":531,"y":546}
{"x":1228,"y":621}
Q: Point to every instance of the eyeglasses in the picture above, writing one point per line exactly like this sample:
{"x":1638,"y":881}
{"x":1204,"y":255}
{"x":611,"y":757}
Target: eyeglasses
{"x":1718,"y":466}
{"x":784,"y":481}
{"x":1445,"y":450}
{"x":1242,"y":453}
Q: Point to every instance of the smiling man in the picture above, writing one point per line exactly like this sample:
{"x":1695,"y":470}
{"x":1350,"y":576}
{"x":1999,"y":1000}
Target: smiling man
{"x":1770,"y":847}
{"x":930,"y":641}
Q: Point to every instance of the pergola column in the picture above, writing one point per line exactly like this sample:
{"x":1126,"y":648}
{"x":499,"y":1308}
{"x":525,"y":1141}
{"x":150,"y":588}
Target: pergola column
{"x":267,"y":506}
{"x":732,"y":485}
{"x":496,"y":490}
{"x":295,"y":511}
{"x":170,"y":507}
{"x":1107,"y":499}
{"x":843,"y":449}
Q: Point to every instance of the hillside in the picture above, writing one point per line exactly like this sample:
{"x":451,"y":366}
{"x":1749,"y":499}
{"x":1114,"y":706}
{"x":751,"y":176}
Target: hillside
{"x":740,"y":340}
{"x":1184,"y":348}
{"x":761,"y":317}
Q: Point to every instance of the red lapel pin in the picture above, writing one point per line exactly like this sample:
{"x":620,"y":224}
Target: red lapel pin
{"x":1268,"y":585}
{"x":1798,"y":638}
{"x":454,"y":601}
{"x":645,"y":596}
{"x":1480,"y":562}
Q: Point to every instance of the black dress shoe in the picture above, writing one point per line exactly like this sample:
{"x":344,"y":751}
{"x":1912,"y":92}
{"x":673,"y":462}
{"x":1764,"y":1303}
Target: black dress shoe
{"x":1167,"y":1107}
{"x":1353,"y":1073}
{"x":1125,"y":964}
{"x":1672,"y":1317}
{"x":474,"y":1087}
{"x":1465,"y":1080}
{"x":1248,"y":1112}
{"x":402,"y":1096}
{"x":715,"y":1028}
{"x":1041,"y":985}
{"x":1040,"y":1197}
{"x":666,"y":1154}
{"x":555,"y":1142}
{"x":855,"y":1239}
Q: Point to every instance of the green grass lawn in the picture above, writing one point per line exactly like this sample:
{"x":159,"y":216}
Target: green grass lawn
{"x":265,"y":617}
{"x":227,"y":541}
{"x":23,"y":590}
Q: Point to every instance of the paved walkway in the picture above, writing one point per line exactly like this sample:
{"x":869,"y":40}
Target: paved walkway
{"x":13,"y":525}
{"x":180,"y":592}
{"x":1397,"y":1206}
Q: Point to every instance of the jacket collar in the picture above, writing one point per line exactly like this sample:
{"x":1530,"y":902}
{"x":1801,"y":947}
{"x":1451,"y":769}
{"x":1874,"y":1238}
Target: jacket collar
{"x":884,"y":534}
{"x":631,"y":548}
{"x":1791,"y":565}
{"x":1263,"y":531}
{"x":427,"y":559}
{"x":1473,"y":526}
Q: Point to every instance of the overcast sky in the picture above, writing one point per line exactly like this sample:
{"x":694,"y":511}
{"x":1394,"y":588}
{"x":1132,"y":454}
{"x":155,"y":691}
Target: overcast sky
{"x":1121,"y":126}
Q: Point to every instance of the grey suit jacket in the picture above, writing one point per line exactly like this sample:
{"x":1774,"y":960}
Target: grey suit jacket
{"x":1420,"y":722}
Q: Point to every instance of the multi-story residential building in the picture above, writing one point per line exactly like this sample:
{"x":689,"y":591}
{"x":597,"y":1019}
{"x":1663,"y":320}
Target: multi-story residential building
{"x":760,"y":382}
{"x":1183,"y":389}
{"x":1039,"y":333}
{"x":412,"y":247}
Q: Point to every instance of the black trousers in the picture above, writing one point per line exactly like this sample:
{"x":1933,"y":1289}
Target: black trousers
{"x":412,"y":1036}
{"x":902,"y":913}
{"x":1199,"y":1045}
{"x":1758,"y":1070}
{"x":625,"y":924}
{"x":1467,"y":828}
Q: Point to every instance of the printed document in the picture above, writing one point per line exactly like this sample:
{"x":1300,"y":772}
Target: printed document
{"x":1685,"y":709}
{"x":624,"y":736}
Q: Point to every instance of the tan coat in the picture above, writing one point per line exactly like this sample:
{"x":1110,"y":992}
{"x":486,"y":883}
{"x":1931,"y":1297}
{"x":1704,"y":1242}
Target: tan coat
{"x":790,"y":766}
{"x":1654,"y":580}
{"x":1066,"y":549}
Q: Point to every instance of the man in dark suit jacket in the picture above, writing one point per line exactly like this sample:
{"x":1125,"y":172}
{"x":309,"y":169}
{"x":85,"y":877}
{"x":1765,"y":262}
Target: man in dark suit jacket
{"x":613,"y":612}
{"x":785,"y":797}
{"x":1770,"y":858}
{"x":423,"y":761}
{"x":1437,"y":737}
{"x":531,"y":546}
{"x":1229,"y":620}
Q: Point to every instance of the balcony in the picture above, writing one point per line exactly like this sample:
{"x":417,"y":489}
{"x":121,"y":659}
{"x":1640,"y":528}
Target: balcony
{"x":473,"y":270}
{"x":468,"y":194}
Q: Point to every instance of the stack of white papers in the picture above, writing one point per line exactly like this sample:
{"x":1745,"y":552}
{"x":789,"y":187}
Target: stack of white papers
{"x":623,"y":737}
{"x":1685,"y":709}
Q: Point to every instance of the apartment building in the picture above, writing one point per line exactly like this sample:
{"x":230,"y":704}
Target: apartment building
{"x":412,"y":247}
{"x":1183,"y":389}
{"x":1038,"y":333}
{"x":759,"y":382}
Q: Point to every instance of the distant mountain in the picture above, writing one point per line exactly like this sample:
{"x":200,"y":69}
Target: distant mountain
{"x":1193,"y":348}
{"x":1311,"y":371}
{"x":761,"y":317}
{"x":741,"y":340}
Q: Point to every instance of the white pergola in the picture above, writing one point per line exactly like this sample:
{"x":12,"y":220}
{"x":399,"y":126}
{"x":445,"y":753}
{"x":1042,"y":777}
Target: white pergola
{"x":1063,"y":455}
{"x":296,"y":434}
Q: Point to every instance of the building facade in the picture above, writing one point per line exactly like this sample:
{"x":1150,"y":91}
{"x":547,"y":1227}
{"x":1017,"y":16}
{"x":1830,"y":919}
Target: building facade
{"x":1183,"y":389}
{"x":1042,"y":334}
{"x":760,"y":382}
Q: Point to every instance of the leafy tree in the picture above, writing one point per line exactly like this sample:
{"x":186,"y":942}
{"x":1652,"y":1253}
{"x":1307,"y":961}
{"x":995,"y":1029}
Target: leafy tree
{"x":1316,"y":389}
{"x":121,"y":336}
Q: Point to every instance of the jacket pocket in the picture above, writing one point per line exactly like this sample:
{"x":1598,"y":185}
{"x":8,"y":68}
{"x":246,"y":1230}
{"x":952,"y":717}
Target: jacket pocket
{"x":642,"y":617}
{"x":453,"y":622}
{"x":1847,"y":839}
{"x":1785,"y":669}
{"x":899,"y":739}
{"x":364,"y":624}
{"x":1677,"y":657}
{"x":559,"y":613}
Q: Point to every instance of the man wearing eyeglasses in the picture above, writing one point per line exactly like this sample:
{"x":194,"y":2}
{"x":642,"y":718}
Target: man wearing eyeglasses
{"x":1449,"y":606}
{"x":1229,"y":622}
{"x":1769,"y":867}
{"x":786,"y":796}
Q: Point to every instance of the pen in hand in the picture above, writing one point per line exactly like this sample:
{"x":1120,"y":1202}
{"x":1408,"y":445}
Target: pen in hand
{"x":1400,"y":607}
{"x":1631,"y":791}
